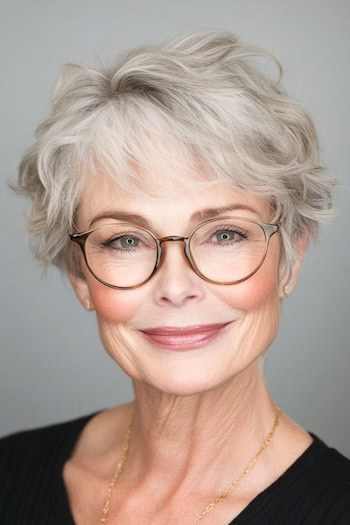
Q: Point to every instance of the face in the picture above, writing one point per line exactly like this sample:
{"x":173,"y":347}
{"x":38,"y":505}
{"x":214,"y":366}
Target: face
{"x":176,"y":296}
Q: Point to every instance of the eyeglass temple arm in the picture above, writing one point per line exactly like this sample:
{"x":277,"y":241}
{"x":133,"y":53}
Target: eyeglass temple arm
{"x":79,"y":238}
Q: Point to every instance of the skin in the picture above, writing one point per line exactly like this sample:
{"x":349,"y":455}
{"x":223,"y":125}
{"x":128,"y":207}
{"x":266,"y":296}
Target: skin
{"x":201,"y":415}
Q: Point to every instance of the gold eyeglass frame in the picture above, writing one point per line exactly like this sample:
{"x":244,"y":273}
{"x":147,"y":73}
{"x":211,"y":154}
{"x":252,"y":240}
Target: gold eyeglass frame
{"x":268,"y":229}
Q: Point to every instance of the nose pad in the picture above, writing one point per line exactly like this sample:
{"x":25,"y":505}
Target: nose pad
{"x":176,"y":239}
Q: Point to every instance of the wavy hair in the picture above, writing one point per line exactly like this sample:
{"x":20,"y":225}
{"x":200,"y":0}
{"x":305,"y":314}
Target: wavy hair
{"x":205,"y":94}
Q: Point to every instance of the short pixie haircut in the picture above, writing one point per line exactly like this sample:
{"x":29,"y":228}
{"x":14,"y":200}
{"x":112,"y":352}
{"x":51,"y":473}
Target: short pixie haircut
{"x":205,"y":96}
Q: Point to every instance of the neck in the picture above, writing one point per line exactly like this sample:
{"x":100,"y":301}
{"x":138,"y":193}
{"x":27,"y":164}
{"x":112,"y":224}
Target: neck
{"x":177,"y":440}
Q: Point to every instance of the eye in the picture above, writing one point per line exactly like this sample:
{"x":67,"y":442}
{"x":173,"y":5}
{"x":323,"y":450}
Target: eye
{"x":128,"y":241}
{"x":121,"y":242}
{"x":118,"y":241}
{"x":226,"y":235}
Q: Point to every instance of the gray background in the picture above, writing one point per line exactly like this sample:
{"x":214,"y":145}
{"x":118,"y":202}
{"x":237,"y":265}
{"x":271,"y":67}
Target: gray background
{"x":52,"y":364}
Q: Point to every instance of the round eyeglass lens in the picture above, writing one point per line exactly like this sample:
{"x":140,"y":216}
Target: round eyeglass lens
{"x":121,"y":254}
{"x":228,"y":250}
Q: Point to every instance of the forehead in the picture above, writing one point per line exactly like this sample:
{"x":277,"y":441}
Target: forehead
{"x":104,"y":196}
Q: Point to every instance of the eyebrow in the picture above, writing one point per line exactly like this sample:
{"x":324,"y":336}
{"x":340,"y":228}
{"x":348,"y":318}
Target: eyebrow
{"x":140,"y":220}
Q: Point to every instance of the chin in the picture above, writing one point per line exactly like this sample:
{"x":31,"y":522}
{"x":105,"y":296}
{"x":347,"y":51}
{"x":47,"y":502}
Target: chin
{"x":180,"y":387}
{"x":187,"y":378}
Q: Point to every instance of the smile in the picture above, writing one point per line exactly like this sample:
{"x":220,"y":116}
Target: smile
{"x":187,"y":338}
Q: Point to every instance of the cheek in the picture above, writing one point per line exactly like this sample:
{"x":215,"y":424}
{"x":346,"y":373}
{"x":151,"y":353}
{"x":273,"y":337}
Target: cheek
{"x":257,"y":293}
{"x":117,"y":306}
{"x":261,"y":291}
{"x":258,"y":302}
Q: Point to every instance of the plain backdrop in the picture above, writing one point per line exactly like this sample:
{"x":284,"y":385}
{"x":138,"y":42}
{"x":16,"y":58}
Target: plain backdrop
{"x":52,"y":364}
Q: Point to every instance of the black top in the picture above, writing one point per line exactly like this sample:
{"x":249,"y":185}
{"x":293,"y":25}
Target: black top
{"x":315,"y":490}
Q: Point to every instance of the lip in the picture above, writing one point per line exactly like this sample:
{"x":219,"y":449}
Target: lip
{"x":185,"y":338}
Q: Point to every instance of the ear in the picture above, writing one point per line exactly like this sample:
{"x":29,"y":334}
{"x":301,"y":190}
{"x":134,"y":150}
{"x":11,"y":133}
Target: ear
{"x":82,"y":291}
{"x":289,"y":279}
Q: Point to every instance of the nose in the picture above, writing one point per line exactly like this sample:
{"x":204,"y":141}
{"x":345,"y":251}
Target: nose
{"x":177,"y":282}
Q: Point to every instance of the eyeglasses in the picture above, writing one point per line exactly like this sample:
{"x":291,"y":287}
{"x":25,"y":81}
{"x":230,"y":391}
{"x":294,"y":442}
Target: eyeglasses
{"x":227,"y":250}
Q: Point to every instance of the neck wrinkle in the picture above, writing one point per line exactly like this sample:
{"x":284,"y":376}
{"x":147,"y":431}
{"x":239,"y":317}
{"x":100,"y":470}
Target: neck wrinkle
{"x":194,"y":441}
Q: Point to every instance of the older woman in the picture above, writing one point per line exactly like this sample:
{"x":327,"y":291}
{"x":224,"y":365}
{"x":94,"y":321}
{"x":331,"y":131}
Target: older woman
{"x":190,"y":186}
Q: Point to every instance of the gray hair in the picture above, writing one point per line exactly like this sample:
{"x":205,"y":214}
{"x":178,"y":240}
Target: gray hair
{"x":204,"y":94}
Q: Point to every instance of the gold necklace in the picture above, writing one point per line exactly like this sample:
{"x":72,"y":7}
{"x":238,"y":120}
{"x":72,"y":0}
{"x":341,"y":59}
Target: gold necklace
{"x":117,"y":472}
{"x":209,"y":507}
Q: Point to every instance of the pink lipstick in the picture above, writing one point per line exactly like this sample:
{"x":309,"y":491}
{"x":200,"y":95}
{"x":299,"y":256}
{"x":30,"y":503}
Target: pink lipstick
{"x":185,"y":338}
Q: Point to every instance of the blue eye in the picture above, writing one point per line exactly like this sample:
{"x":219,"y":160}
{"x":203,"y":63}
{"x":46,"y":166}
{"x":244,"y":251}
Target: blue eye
{"x":122,"y":243}
{"x":129,"y":242}
{"x":227,"y":235}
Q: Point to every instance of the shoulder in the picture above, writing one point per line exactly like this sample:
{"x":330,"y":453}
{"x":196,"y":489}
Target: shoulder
{"x":32,"y":488}
{"x":314,"y":490}
{"x":34,"y":438}
{"x":30,"y":470}
{"x":320,"y":483}
{"x":26,"y":451}
{"x":329,"y":460}
{"x":328,"y":484}
{"x":48,"y":444}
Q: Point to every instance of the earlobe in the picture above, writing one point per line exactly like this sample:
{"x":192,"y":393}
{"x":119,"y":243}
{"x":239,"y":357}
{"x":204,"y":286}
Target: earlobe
{"x":286,"y":290}
{"x":289,"y":278}
{"x":82,"y":291}
{"x":88,"y":305}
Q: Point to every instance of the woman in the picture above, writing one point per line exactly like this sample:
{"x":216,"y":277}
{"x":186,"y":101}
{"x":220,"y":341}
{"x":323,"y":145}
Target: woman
{"x":190,"y":186}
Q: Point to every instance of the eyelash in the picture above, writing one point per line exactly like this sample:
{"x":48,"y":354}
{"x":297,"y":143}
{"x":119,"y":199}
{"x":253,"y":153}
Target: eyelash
{"x":240,"y":232}
{"x":108,"y":243}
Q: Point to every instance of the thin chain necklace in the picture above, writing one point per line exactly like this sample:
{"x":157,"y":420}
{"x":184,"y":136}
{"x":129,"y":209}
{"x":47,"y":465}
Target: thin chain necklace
{"x":210,"y":507}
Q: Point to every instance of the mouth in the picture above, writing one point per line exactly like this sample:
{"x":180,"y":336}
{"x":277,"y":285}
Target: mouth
{"x":185,"y":338}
